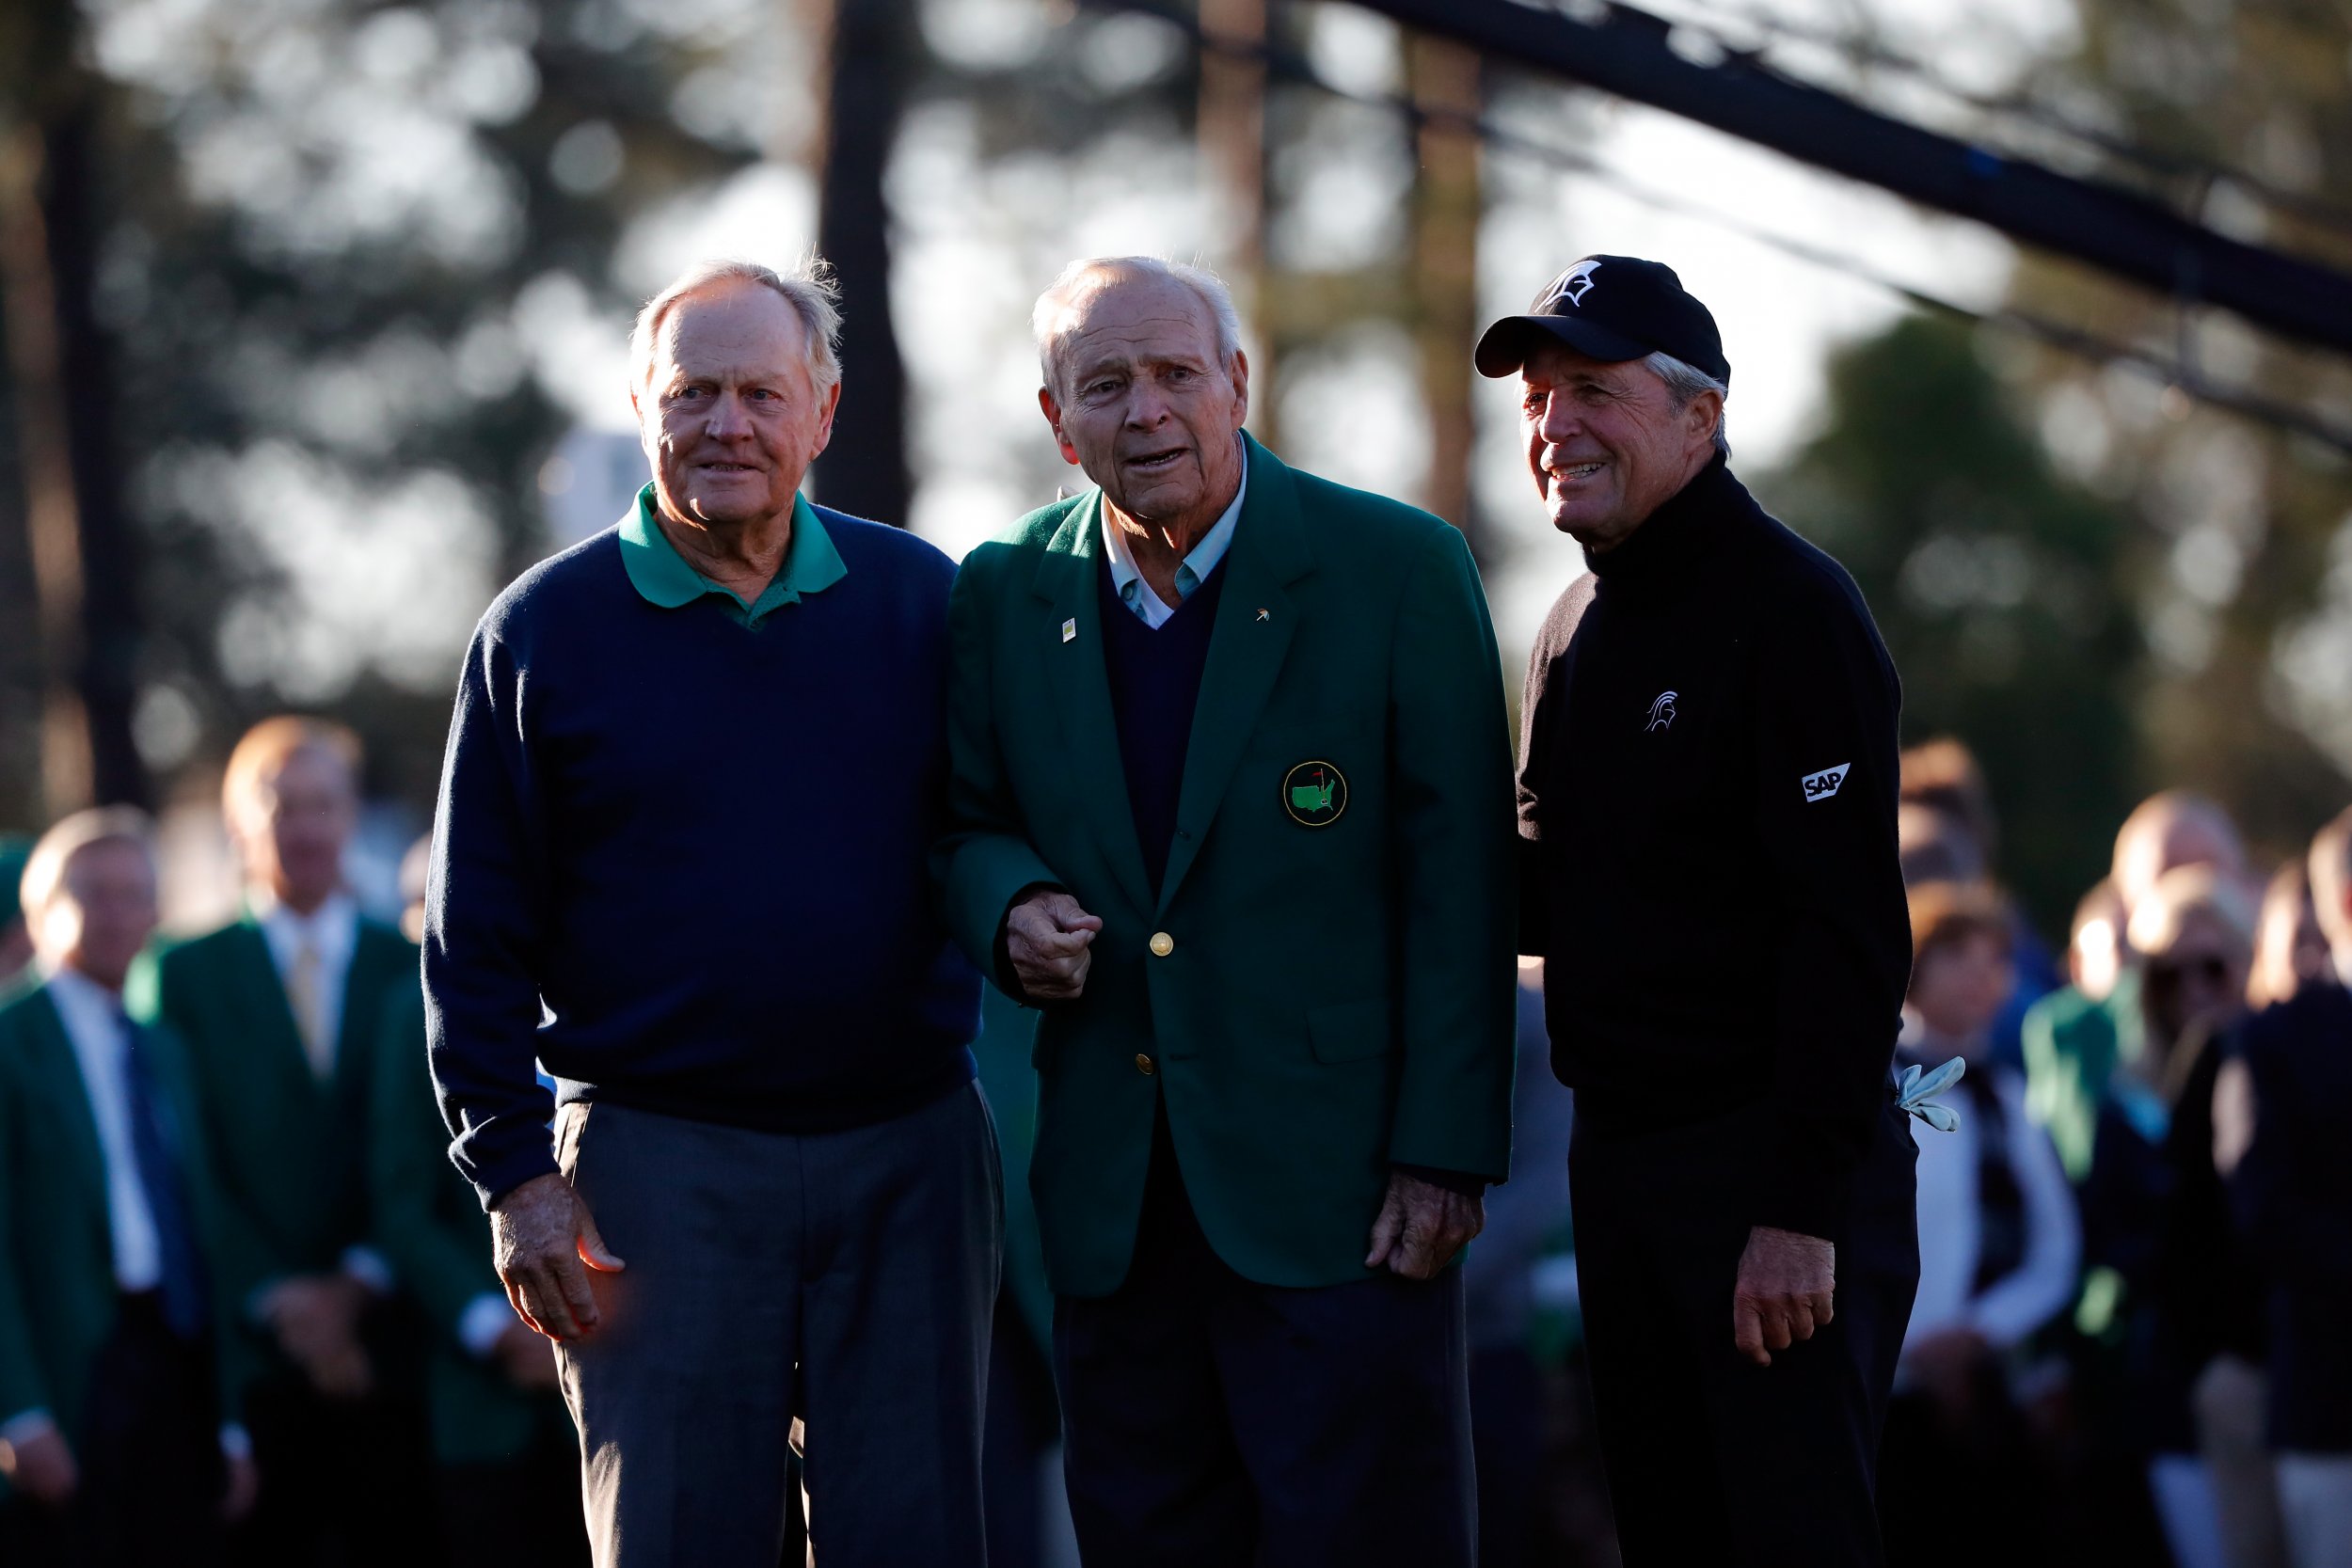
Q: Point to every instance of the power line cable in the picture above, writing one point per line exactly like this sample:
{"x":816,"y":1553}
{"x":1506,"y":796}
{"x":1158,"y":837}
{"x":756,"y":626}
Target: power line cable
{"x":2075,"y":342}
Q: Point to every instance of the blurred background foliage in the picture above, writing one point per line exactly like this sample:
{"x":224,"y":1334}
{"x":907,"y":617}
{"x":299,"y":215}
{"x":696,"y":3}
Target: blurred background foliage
{"x":316,"y":308}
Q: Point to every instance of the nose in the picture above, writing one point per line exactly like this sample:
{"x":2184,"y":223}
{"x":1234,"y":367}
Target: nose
{"x":1559,"y":421}
{"x":1147,"y":405}
{"x":728,"y":416}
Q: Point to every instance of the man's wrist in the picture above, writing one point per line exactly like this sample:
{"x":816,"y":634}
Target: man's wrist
{"x":1460,"y":1183}
{"x":1007,"y":977}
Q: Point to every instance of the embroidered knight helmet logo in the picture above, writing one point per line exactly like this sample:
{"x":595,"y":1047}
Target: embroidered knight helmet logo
{"x":1571,"y":285}
{"x":1662,"y":713}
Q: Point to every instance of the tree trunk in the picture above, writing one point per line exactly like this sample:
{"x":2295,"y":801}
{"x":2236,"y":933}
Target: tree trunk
{"x":1232,"y":137}
{"x":1445,"y":79}
{"x":872,"y":46}
{"x":84,"y":557}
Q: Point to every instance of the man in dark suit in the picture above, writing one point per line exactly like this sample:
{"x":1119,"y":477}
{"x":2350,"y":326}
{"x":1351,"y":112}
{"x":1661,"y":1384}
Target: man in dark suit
{"x":2293,"y":1194}
{"x":282,"y":1009}
{"x":505,"y":1456}
{"x":117,"y":1445}
{"x":1706,"y":798}
{"x":1230,"y":802}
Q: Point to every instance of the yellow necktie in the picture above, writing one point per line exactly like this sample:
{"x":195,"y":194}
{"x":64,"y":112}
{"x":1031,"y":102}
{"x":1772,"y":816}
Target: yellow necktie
{"x":306,"y":994}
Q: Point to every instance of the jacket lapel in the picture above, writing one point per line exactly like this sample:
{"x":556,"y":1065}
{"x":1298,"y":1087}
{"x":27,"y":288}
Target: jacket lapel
{"x":63,"y":1070}
{"x":1080,"y":690}
{"x":1246,"y":651}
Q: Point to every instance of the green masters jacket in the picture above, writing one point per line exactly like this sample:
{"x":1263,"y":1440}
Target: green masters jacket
{"x":1322,"y":987}
{"x":287,"y":1148}
{"x":429,"y":1226}
{"x":57,"y":1286}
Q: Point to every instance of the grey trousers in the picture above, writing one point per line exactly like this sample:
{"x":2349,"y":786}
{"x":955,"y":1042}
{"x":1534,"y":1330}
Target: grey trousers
{"x":844,"y":1276}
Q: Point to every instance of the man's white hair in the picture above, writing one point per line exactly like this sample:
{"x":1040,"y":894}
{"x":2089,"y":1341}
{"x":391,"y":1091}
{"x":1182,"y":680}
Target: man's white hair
{"x":808,"y":287}
{"x":44,"y":878}
{"x":1685,"y":382}
{"x":1050,"y":320}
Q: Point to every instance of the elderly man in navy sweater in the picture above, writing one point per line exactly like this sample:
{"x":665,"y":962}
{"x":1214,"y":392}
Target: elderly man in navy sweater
{"x":697,"y":765}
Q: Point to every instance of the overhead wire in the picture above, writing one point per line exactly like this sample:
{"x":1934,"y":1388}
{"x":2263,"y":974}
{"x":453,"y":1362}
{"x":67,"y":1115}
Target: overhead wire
{"x":2075,"y":342}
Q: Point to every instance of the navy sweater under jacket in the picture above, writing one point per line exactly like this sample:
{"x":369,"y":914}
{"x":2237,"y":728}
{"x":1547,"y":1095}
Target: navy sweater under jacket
{"x":703,"y":846}
{"x":1154,"y":678}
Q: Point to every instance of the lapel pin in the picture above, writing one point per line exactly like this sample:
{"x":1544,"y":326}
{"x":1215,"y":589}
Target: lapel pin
{"x":1070,"y":630}
{"x":1263,"y":616}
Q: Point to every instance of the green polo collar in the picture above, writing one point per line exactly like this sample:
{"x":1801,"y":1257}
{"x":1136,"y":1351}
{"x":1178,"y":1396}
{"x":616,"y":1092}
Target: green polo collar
{"x":664,"y":578}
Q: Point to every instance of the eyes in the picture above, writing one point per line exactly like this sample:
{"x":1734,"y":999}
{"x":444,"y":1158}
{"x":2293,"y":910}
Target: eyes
{"x":1100,"y":388}
{"x":695,"y":393}
{"x":1587,"y":394}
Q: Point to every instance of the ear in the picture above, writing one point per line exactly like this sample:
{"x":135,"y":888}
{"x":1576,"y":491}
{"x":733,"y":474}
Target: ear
{"x":824,"y":424}
{"x":1238,"y":373}
{"x":1705,"y":415}
{"x":1051,"y":410}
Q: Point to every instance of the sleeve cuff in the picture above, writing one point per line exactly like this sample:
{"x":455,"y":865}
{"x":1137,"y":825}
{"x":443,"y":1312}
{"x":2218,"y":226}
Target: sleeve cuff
{"x":369,"y":1267}
{"x":484,"y":1324}
{"x":26,"y":1425}
{"x":1808,"y":1203}
{"x":1461,"y":1182}
{"x":236,"y":1444}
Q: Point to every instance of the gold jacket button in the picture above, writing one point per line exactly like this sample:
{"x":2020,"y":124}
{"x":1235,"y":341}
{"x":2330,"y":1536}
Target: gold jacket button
{"x":1143,"y":1064}
{"x":1161,"y":944}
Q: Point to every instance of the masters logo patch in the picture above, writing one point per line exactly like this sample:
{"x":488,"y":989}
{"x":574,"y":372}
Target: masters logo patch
{"x":1314,"y":793}
{"x":1822,"y":785}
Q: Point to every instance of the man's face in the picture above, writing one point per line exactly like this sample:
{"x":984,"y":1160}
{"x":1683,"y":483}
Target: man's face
{"x":1143,"y":405}
{"x":2200,"y":979}
{"x":296,"y":824}
{"x":729,"y":417}
{"x":103,"y":911}
{"x":1605,"y":442}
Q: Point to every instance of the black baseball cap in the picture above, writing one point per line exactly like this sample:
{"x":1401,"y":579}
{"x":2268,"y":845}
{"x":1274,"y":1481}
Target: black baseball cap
{"x":1612,"y":308}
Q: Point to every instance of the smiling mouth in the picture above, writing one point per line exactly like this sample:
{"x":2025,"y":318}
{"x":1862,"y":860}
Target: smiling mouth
{"x":727,"y":469}
{"x":1574,"y":471}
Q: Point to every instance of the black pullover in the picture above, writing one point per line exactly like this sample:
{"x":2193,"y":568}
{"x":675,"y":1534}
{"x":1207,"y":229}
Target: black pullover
{"x":1707,"y":795}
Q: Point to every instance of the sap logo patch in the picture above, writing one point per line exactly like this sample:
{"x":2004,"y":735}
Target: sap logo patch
{"x":1822,"y":785}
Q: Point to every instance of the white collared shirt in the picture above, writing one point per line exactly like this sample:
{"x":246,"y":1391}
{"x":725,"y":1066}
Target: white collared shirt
{"x":93,"y":1022}
{"x":331,"y":931}
{"x":1127,"y":577}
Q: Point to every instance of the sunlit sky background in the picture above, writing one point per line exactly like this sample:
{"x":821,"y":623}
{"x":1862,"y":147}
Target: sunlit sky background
{"x":392,"y":579}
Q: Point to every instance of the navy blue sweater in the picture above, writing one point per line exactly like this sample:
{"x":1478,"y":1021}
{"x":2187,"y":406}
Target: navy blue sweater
{"x":1154,"y":678}
{"x":702,"y":845}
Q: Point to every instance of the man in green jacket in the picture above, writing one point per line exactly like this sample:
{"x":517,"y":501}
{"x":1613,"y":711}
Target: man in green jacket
{"x":282,"y":1009}
{"x":117,"y":1383}
{"x":504,"y":1451}
{"x":1232,"y":804}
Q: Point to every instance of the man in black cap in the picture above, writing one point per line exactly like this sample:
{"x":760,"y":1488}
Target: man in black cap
{"x":1707,"y":804}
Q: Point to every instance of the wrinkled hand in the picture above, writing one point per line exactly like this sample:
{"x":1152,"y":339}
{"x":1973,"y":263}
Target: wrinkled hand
{"x":243,"y":1488}
{"x":528,"y":1361}
{"x":541,"y":1235}
{"x":1422,"y":1227}
{"x":42,"y":1469}
{"x":316,"y":1320}
{"x":1050,"y":939}
{"x":1785,"y":1290}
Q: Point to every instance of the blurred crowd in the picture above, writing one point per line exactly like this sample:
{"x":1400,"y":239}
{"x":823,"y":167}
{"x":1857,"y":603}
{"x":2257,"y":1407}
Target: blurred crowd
{"x":248,"y":1311}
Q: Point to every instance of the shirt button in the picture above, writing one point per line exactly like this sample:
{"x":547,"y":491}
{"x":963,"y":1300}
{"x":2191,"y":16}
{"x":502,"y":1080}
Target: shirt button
{"x":1161,"y":944}
{"x":1143,"y":1064}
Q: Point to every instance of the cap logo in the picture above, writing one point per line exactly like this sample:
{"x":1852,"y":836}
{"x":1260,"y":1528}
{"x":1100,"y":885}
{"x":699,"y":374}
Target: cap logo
{"x":1572,"y":285}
